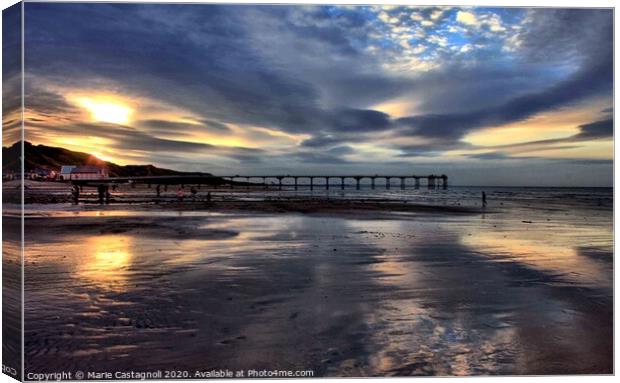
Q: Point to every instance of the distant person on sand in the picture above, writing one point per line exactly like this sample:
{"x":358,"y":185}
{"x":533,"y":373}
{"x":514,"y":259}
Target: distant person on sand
{"x":101,"y":192}
{"x":209,"y":197}
{"x":75,"y":193}
{"x":108,"y":195}
{"x":158,"y":188}
{"x":194,"y":192}
{"x":484,"y":199}
{"x":180,"y":195}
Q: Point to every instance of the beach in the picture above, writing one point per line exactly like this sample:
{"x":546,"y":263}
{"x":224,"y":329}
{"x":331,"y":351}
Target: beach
{"x":379,"y":287}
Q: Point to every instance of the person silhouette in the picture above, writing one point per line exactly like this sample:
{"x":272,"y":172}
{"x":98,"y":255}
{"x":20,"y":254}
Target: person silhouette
{"x":180,"y":194}
{"x":75,"y":193}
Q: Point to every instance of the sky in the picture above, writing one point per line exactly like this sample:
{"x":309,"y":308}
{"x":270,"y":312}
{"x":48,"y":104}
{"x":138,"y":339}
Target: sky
{"x":488,"y":96}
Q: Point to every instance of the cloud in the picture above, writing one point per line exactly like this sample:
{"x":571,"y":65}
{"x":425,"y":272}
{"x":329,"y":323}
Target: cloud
{"x":311,"y":75}
{"x":467,"y":18}
{"x":182,"y":128}
{"x":593,"y":79}
{"x":596,"y":130}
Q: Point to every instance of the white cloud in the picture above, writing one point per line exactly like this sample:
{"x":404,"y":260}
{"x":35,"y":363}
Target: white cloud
{"x":512,"y":43}
{"x":436,"y":14}
{"x":467,"y":18}
{"x":418,"y":49}
{"x":493,"y":22}
{"x":427,"y":23}
{"x":439,"y":40}
{"x":466,"y":48}
{"x":416,"y":16}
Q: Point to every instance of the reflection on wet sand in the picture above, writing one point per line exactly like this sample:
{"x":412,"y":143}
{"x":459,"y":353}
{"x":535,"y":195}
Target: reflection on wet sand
{"x":105,"y":260}
{"x":557,"y":259}
{"x":434,"y":295}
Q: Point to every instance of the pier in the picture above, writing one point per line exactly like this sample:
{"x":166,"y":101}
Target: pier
{"x":431,"y":181}
{"x":295,"y":181}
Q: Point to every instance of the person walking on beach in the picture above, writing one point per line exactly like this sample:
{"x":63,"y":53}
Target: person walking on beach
{"x":484,"y":199}
{"x":101,"y":192}
{"x":180,"y":194}
{"x":208,"y":196}
{"x":194,"y":192}
{"x":158,"y":188}
{"x":75,"y":193}
{"x":108,"y":195}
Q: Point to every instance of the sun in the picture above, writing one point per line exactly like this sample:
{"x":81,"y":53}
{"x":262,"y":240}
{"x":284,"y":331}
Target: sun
{"x":106,"y":109}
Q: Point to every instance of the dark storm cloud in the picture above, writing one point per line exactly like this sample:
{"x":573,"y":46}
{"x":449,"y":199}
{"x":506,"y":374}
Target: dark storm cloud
{"x":356,"y":120}
{"x":556,"y":34}
{"x":181,"y":128}
{"x":596,"y":130}
{"x":124,"y":139}
{"x":594,"y":79}
{"x":127,"y":138}
{"x":11,"y":41}
{"x":319,"y":158}
{"x":47,"y":103}
{"x":318,"y":141}
{"x":491,"y":156}
{"x":341,"y":150}
{"x":214,"y":125}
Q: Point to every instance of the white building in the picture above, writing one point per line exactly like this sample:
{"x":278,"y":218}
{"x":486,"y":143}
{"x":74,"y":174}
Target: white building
{"x":88,"y":173}
{"x":65,"y":172}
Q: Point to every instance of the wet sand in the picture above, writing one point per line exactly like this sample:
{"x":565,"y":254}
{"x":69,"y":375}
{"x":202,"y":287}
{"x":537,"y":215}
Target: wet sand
{"x":366,"y":293}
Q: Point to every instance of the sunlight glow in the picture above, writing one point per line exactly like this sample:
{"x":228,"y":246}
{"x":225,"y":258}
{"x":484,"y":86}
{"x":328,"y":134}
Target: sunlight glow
{"x":106,"y":109}
{"x":543,"y":126}
{"x":107,"y":260}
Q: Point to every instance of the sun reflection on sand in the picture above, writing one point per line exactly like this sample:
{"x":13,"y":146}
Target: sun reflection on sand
{"x":107,"y":257}
{"x":541,"y":253}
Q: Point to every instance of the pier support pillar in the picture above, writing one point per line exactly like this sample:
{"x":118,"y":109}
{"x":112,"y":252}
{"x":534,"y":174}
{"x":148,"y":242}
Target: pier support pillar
{"x":311,"y":183}
{"x":431,"y":182}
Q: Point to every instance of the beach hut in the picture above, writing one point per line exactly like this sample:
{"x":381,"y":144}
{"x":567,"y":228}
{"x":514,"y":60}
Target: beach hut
{"x":89,"y":173}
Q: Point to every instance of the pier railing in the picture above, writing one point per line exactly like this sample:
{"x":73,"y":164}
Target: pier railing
{"x":431,"y":181}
